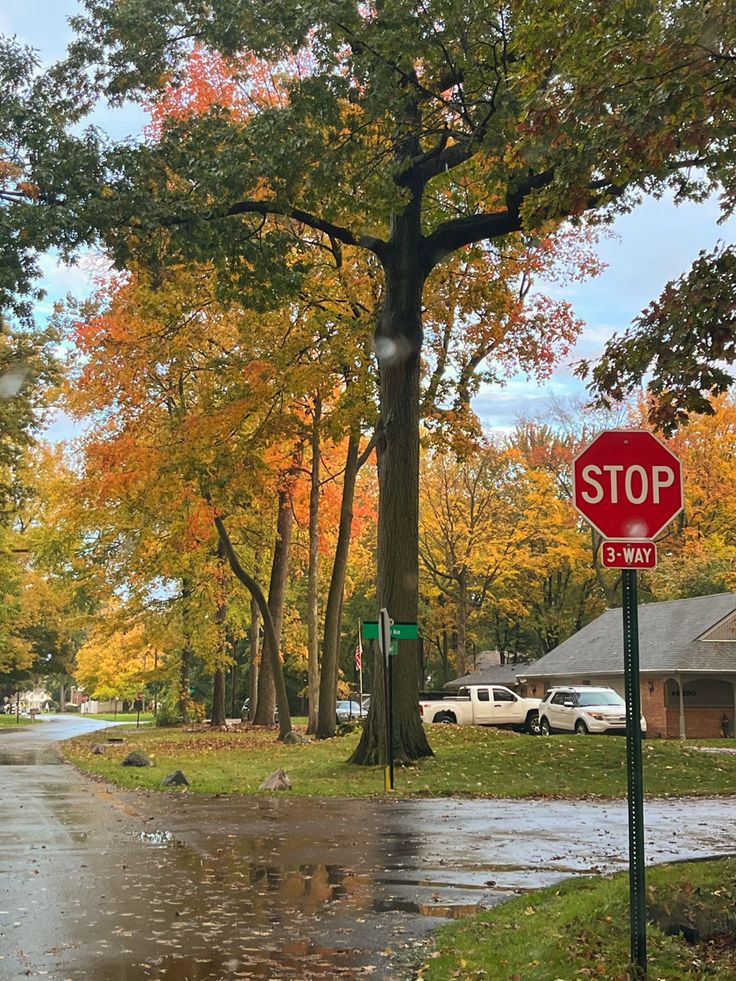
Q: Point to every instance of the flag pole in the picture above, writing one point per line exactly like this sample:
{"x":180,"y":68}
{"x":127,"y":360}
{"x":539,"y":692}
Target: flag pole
{"x":360,"y":667}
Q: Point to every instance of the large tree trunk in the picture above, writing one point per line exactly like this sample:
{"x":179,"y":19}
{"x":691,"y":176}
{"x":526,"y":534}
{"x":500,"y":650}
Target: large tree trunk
{"x":271,"y":644}
{"x":187,"y":655}
{"x":333,"y":609}
{"x":255,"y":660}
{"x":266,"y":706}
{"x":398,"y":345}
{"x":462,"y":623}
{"x":217,"y":717}
{"x":313,"y":575}
{"x":184,"y":668}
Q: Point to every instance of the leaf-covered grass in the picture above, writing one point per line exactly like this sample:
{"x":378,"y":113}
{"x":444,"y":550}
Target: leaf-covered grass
{"x":468,"y":762}
{"x":127,"y":717}
{"x":8,"y":721}
{"x":580,"y":929}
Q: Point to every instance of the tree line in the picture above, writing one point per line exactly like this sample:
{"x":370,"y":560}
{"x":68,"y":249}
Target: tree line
{"x":319,"y":185}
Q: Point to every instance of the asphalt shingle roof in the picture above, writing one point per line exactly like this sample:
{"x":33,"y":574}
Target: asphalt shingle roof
{"x":499,"y":674}
{"x":668,"y":641}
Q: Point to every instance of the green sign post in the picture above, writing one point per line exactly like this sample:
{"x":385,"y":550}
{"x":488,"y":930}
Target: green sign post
{"x":387,"y":646}
{"x":388,"y":633}
{"x":399,"y":631}
{"x":637,"y":882}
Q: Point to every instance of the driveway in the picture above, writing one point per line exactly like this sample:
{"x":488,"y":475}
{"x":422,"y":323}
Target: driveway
{"x":115,"y":886}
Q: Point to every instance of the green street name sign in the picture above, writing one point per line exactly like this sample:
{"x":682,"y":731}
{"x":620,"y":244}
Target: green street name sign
{"x":399,"y":631}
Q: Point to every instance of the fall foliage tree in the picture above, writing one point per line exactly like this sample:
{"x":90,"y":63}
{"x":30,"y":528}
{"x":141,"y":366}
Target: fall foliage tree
{"x":28,"y":368}
{"x":179,"y":420}
{"x":698,"y":554}
{"x":681,"y":347}
{"x":115,"y":666}
{"x":467,"y":529}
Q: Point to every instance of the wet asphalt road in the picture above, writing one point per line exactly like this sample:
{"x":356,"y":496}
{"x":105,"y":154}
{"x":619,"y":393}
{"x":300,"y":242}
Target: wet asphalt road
{"x":114,"y":886}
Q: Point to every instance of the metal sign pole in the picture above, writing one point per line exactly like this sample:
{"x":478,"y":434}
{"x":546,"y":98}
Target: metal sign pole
{"x":390,"y":719}
{"x":637,"y":883}
{"x":384,"y":640}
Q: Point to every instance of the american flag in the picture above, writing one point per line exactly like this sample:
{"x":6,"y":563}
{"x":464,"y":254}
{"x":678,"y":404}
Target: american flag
{"x":359,"y":653}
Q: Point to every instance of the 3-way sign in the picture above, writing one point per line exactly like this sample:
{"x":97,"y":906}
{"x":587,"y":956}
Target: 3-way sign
{"x":629,"y":555}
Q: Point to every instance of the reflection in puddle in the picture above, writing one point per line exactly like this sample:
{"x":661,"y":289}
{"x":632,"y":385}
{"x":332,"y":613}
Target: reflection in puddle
{"x":158,"y":838}
{"x":452,"y":911}
{"x":212,"y":917}
{"x":282,"y":889}
{"x":296,"y":961}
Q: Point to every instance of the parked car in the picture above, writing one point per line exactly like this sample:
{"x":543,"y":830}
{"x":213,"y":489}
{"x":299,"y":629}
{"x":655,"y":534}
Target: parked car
{"x":584,"y":710}
{"x":481,"y":705}
{"x":347,"y":710}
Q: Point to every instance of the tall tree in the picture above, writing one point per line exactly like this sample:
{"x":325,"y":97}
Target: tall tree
{"x":468,"y":530}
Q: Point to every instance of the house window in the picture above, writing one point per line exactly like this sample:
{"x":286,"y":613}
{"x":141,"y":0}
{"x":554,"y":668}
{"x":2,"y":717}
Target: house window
{"x":700,"y":693}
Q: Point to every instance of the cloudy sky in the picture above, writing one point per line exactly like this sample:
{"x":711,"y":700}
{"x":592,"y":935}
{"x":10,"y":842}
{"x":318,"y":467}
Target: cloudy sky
{"x":649,"y":247}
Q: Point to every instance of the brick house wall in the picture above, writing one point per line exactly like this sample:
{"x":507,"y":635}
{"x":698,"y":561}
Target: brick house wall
{"x":701,"y":723}
{"x":654,"y":710}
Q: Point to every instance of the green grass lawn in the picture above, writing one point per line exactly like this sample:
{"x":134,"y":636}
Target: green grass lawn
{"x":127,"y":717}
{"x":8,"y":721}
{"x":468,"y":762}
{"x":580,"y":929}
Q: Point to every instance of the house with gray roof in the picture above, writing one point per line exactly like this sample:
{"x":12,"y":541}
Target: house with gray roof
{"x":687,"y":651}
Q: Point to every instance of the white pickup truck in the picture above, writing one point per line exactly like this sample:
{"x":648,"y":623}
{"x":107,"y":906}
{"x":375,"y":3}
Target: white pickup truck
{"x":482,"y":705}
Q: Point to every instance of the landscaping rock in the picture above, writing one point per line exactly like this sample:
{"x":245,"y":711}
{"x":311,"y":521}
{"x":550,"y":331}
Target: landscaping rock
{"x":98,"y":749}
{"x":175,"y":779}
{"x":137,"y":758}
{"x":295,"y":739}
{"x":116,"y":739}
{"x":278,"y":780}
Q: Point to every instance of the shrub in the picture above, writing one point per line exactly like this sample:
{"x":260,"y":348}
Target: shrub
{"x":168,"y":713}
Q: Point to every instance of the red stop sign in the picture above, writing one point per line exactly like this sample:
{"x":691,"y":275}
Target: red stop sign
{"x":627,"y":484}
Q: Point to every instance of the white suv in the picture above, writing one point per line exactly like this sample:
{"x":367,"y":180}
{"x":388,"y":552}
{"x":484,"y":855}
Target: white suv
{"x":583,"y":710}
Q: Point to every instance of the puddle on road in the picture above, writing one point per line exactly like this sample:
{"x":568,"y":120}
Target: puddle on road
{"x":29,"y":757}
{"x":168,"y":908}
{"x":302,"y":961}
{"x":453,"y":911}
{"x":152,"y":888}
